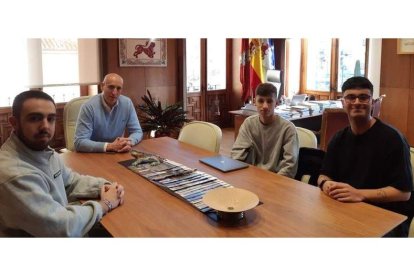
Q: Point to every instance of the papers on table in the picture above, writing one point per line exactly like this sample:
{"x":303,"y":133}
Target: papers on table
{"x":181,"y":181}
{"x":310,"y":106}
{"x":327,"y":104}
{"x":288,"y":112}
{"x":301,"y":109}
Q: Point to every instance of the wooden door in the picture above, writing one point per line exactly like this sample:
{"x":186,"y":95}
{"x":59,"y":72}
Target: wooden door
{"x":204,"y":100}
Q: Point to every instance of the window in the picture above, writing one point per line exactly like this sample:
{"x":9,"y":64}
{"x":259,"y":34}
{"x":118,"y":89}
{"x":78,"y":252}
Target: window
{"x":57,"y":66}
{"x":60,"y":61}
{"x":206,"y":73}
{"x":318,"y":65}
{"x":60,"y":67}
{"x":208,"y":55}
{"x":326,"y":64}
{"x":193,"y":65}
{"x":62,"y":93}
{"x":216,"y":64}
{"x":351,"y":59}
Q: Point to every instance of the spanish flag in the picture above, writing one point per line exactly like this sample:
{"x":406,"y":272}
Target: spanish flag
{"x":257,"y":56}
{"x":257,"y":74}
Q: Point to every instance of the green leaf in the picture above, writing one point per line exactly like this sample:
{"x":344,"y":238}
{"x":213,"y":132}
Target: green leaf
{"x":153,"y":117}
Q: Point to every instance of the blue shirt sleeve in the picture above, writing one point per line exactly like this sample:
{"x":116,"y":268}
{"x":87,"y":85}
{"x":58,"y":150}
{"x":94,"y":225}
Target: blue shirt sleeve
{"x":84,"y":130}
{"x":133,"y":126}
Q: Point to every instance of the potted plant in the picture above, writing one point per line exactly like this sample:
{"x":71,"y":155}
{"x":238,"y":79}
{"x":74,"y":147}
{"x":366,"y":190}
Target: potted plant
{"x":164,"y":121}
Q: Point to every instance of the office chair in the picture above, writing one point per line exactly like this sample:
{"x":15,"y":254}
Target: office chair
{"x":412,"y":159}
{"x":309,"y":165}
{"x":333,"y":120}
{"x":307,"y":139}
{"x":204,"y":135}
{"x":275,"y":77}
{"x":376,"y":107}
{"x":411,"y":232}
{"x":70,"y":117}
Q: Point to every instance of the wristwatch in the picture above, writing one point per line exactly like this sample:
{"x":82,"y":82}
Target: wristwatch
{"x":108,"y":204}
{"x":322,"y":182}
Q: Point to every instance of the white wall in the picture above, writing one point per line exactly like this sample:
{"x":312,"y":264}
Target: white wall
{"x":294,"y":66}
{"x":374,"y":64}
{"x":237,"y":87}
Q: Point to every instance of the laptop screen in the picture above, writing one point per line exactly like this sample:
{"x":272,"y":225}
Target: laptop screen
{"x":296,"y":99}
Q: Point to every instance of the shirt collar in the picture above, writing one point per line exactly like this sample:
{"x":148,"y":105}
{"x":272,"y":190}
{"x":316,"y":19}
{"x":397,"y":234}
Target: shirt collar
{"x":106,"y":106}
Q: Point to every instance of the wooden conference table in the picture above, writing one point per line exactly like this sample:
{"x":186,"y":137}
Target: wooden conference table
{"x":290,"y":208}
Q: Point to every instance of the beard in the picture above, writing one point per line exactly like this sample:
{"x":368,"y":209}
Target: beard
{"x":35,"y":144}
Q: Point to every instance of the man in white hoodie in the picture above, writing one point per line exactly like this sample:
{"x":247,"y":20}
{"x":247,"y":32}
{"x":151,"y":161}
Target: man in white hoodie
{"x":36,"y":188}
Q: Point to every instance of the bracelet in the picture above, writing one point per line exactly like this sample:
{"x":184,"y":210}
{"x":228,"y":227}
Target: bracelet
{"x":107,"y":203}
{"x":322,"y":182}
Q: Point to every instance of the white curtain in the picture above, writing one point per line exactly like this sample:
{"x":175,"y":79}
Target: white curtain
{"x":26,"y":65}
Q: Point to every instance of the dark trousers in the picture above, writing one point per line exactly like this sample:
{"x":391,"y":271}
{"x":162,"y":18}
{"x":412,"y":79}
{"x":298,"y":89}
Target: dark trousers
{"x":401,"y":231}
{"x":98,"y":231}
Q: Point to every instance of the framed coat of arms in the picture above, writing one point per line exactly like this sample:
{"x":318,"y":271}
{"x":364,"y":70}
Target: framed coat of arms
{"x":405,"y":46}
{"x":143,"y":52}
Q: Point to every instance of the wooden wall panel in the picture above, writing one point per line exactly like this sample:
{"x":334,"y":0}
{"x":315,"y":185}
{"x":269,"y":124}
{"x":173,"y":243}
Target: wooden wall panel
{"x":397,"y":82}
{"x":235,"y":94}
{"x":217,"y":108}
{"x":410,"y":119}
{"x":58,"y":141}
{"x":5,"y":127}
{"x":395,"y":69}
{"x":412,"y":72}
{"x":163,"y":81}
{"x":165,"y":94}
{"x":280,"y":44}
{"x":394,"y":107}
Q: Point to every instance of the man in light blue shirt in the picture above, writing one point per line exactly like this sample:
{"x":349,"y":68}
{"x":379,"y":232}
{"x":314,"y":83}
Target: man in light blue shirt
{"x":104,"y":118}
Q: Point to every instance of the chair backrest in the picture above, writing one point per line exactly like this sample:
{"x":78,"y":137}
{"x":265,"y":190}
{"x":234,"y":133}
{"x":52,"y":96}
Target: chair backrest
{"x":70,"y":116}
{"x":307,"y":139}
{"x":333,"y":120}
{"x":411,"y":229}
{"x":376,"y":107}
{"x":309,"y":165}
{"x":275,"y":77}
{"x":201,"y":134}
{"x":412,"y":159}
{"x":411,"y":232}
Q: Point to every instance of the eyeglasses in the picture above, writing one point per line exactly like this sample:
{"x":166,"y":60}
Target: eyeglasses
{"x":363,"y":98}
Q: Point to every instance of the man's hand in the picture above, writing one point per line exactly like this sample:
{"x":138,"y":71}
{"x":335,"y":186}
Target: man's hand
{"x":120,"y":192}
{"x":342,"y":192}
{"x":120,"y":144}
{"x":112,"y":195}
{"x":346,"y":193}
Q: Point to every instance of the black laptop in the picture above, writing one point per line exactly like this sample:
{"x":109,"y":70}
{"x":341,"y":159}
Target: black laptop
{"x":223,"y":163}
